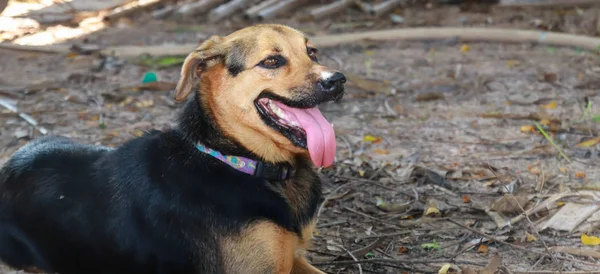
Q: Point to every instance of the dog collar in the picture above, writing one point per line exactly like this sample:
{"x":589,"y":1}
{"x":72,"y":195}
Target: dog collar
{"x":249,"y":166}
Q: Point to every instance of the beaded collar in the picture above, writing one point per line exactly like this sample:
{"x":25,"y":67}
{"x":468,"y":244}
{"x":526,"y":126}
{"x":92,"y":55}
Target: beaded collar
{"x":249,"y":166}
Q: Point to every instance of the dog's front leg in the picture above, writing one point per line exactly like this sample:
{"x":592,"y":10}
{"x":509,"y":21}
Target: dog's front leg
{"x":302,"y":266}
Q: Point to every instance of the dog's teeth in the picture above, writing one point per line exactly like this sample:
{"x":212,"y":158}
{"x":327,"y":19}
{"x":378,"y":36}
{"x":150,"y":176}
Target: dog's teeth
{"x":278,"y":111}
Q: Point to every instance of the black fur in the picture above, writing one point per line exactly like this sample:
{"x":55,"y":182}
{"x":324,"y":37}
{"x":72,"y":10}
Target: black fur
{"x":236,"y":56}
{"x":154,"y":205}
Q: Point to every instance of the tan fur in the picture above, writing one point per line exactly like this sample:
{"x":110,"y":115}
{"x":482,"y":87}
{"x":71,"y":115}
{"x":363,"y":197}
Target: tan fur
{"x":232,"y":98}
{"x":264,"y":247}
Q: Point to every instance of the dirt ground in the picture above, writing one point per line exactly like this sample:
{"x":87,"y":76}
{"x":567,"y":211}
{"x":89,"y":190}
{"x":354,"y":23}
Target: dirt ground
{"x":436,"y":140}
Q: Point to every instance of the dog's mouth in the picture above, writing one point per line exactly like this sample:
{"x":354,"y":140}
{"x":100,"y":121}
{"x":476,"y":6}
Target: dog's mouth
{"x":305,"y":127}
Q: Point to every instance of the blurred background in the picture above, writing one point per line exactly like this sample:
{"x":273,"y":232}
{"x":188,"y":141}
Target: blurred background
{"x":467,"y":139}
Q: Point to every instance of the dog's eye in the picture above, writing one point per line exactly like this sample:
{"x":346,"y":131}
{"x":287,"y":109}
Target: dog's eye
{"x":312,"y":53}
{"x":272,"y":62}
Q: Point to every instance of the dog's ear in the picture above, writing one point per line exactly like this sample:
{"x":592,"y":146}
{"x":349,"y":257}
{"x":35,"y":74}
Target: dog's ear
{"x":195,"y":63}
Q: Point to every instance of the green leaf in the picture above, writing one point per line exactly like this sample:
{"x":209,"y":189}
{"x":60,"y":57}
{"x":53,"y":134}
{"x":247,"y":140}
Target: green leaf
{"x":596,"y":119}
{"x":161,"y":62}
{"x":369,"y":255}
{"x":430,"y":246}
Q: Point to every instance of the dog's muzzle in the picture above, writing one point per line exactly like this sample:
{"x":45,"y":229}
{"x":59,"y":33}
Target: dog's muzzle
{"x":332,"y":88}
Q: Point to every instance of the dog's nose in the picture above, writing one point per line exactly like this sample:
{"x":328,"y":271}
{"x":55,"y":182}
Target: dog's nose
{"x":334,"y":80}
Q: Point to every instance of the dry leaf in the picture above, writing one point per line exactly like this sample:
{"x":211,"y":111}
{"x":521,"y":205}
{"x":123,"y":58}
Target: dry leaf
{"x":509,"y":204}
{"x":551,"y":105}
{"x":468,"y":270}
{"x":370,"y":85}
{"x":446,"y":268}
{"x":563,"y":169}
{"x":382,"y":151}
{"x":372,"y":139}
{"x":550,"y":77}
{"x":589,"y":143}
{"x":492,"y":265}
{"x":483,"y":249}
{"x":529,"y":237}
{"x":526,"y":129}
{"x":580,"y":175}
{"x":466,"y":199}
{"x":464,"y":48}
{"x":589,"y":240}
{"x":432,"y":208}
{"x":512,"y":63}
{"x":144,"y":103}
{"x":570,"y":216}
{"x":432,"y":211}
{"x":402,"y":250}
{"x":545,"y":122}
{"x":534,"y":170}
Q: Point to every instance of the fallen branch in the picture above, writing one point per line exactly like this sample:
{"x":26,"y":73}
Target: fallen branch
{"x":330,"y":9}
{"x":279,"y":8}
{"x":252,"y":13}
{"x":576,"y":251}
{"x":416,"y":34}
{"x":198,"y":7}
{"x":364,"y":7}
{"x":226,"y":10}
{"x":385,"y":7}
{"x":548,"y":4}
{"x":392,"y":261}
{"x":131,"y":8}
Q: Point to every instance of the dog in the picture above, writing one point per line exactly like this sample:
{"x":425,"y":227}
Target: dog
{"x":231,"y":189}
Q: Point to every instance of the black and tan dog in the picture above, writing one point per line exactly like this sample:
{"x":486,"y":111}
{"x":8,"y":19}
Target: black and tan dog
{"x":231,"y":190}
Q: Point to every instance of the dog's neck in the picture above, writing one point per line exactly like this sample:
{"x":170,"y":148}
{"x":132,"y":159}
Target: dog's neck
{"x":198,"y":126}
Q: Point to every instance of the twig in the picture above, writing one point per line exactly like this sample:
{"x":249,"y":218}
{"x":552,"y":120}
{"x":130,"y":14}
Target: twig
{"x":392,"y":261}
{"x":328,"y":197}
{"x":399,"y":233}
{"x":529,"y":250}
{"x":360,"y":271}
{"x":551,"y":141}
{"x":495,"y":239}
{"x":331,"y":224}
{"x":370,"y":217}
{"x":363,"y":251}
{"x":24,"y":116}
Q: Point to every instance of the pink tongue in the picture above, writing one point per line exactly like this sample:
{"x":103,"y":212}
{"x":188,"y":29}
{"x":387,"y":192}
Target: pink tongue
{"x":320,"y":136}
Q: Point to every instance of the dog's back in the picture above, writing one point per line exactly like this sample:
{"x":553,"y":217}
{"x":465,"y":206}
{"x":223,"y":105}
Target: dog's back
{"x":34,"y":171}
{"x":56,"y":194}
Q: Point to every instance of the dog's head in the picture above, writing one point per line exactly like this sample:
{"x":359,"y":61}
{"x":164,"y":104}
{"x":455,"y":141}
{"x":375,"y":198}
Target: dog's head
{"x":262,"y":85}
